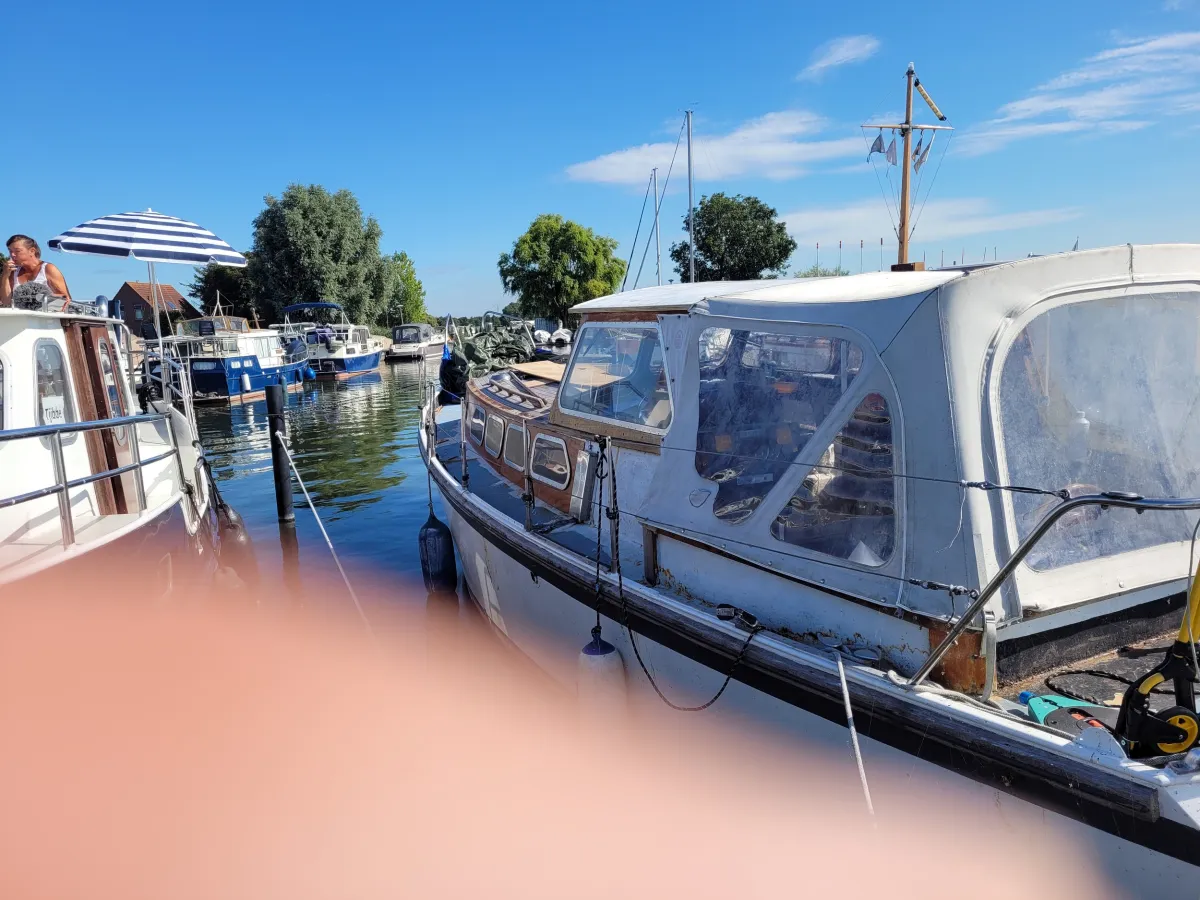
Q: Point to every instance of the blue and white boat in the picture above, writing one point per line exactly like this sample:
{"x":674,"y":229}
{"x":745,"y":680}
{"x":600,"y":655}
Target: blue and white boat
{"x":335,"y":347}
{"x":230,"y":361}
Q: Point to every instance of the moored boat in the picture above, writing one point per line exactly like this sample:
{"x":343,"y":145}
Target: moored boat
{"x":335,"y":347}
{"x":230,"y":361}
{"x":968,"y":484}
{"x":415,"y":341}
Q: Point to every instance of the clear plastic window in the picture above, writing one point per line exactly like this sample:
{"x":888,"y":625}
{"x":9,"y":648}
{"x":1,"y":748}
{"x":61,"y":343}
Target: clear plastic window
{"x":1104,"y":395}
{"x":761,"y":397}
{"x":549,"y":462}
{"x":493,"y":438}
{"x":845,"y":507}
{"x":617,"y":373}
{"x":53,"y":393}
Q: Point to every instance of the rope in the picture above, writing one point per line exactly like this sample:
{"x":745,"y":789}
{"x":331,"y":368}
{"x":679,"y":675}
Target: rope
{"x":328,"y":543}
{"x":932,"y":182}
{"x":659,"y":199}
{"x":633,"y":249}
{"x":862,"y":773}
{"x":613,"y":514}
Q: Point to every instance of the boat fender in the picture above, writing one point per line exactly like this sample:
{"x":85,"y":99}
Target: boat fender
{"x":237,"y":549}
{"x":437,"y":556}
{"x":245,"y":383}
{"x":600,"y":681}
{"x":309,"y":374}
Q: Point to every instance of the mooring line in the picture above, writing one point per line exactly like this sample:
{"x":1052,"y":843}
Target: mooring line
{"x":862,"y":773}
{"x":349,"y":587}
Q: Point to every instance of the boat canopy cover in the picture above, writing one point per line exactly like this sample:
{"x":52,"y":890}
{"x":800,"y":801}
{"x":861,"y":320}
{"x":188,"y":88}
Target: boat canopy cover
{"x":323,"y":304}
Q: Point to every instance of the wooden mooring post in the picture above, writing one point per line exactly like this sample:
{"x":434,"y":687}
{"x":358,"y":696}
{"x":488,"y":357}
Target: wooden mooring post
{"x":277,"y":425}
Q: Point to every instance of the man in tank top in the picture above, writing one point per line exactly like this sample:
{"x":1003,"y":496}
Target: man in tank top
{"x":24,"y":265}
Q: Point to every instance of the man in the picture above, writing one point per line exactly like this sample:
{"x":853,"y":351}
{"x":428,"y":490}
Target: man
{"x":25,"y":265}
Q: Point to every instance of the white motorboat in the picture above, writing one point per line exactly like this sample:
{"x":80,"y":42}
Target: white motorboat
{"x":336,"y":348}
{"x":415,"y":341}
{"x":561,"y":337}
{"x":975,"y":486}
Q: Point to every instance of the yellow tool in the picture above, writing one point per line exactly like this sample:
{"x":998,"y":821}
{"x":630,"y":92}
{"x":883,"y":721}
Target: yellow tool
{"x":1174,"y":730}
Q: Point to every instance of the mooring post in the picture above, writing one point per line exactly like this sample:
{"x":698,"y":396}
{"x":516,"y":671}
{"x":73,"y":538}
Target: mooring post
{"x":276,"y":425}
{"x":291,"y":559}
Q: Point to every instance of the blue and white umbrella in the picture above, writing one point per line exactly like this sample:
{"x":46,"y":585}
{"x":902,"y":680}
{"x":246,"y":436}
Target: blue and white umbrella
{"x":150,"y":237}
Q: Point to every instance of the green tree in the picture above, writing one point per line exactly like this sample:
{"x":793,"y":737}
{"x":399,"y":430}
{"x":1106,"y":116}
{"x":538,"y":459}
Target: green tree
{"x":558,"y":263}
{"x":402,"y":292}
{"x":737,"y":238}
{"x":234,"y":288}
{"x":312,"y":245}
{"x":815,"y":271}
{"x":513,"y":309}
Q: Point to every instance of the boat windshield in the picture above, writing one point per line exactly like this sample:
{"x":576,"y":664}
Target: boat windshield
{"x":1104,"y":395}
{"x":617,"y":373}
{"x":407,"y":334}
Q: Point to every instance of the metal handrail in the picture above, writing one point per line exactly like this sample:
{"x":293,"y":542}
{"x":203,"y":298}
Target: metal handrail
{"x":12,"y":434}
{"x":1118,"y":499}
{"x":63,"y":485}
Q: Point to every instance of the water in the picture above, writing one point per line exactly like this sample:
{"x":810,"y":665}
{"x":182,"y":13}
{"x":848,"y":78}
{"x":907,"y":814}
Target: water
{"x":355,"y":445}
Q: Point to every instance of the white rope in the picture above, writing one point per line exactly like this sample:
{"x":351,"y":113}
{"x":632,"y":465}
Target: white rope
{"x":353,"y":596}
{"x":862,"y":773}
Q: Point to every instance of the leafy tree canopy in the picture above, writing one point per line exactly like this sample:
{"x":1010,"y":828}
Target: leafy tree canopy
{"x":312,"y":245}
{"x":401,"y":289}
{"x":513,"y":309}
{"x":558,"y":263}
{"x":737,"y":238}
{"x":815,"y":271}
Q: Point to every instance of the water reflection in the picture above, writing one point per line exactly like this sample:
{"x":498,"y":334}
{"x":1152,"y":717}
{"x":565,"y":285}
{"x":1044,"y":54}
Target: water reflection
{"x":355,"y":444}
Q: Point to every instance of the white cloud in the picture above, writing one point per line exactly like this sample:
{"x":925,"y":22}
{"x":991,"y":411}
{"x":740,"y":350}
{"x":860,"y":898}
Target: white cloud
{"x":939,"y":220}
{"x":839,"y":52}
{"x":1119,"y":89}
{"x":771,"y":146}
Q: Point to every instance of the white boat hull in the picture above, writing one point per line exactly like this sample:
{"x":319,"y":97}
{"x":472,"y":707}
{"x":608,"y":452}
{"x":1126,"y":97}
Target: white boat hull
{"x":550,"y":627}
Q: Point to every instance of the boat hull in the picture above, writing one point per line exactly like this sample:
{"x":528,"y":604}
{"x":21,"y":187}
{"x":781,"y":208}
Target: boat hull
{"x":346,"y":366}
{"x":405,"y":352}
{"x":221,"y":381}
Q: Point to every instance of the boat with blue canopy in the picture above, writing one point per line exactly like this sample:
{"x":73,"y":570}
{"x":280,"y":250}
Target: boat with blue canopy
{"x":335,"y":347}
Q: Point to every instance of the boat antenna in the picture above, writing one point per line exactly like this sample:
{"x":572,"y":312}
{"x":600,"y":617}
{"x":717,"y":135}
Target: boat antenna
{"x":906,"y":128}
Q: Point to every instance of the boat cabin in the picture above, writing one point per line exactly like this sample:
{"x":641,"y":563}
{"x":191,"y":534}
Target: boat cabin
{"x":858,"y":454}
{"x":420,"y":333}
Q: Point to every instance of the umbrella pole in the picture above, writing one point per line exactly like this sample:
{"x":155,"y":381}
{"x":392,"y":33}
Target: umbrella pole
{"x":162,"y":365}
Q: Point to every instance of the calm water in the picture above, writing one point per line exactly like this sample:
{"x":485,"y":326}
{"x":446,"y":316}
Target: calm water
{"x":355,"y":444}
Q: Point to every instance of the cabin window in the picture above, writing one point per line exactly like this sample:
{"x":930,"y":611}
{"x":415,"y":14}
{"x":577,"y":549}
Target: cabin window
{"x":408,"y":335}
{"x":494,"y":436}
{"x":617,"y":374}
{"x":478,"y":421}
{"x":762,"y":396}
{"x":514,"y":447}
{"x":53,"y":393}
{"x":846,"y":506}
{"x":116,"y":403}
{"x":1104,"y":395}
{"x":549,"y":461}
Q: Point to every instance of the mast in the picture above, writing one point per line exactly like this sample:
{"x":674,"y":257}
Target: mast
{"x":691,"y":207}
{"x":906,"y":132}
{"x":657,"y":233}
{"x":906,"y":129}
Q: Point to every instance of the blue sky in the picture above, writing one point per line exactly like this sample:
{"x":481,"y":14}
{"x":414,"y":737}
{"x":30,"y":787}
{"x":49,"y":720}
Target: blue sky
{"x":457,"y":124}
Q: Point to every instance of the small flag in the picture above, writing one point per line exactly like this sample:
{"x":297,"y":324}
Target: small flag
{"x":925,"y":154}
{"x":1076,"y":247}
{"x":891,"y":152}
{"x":917,"y":153}
{"x":876,"y":147}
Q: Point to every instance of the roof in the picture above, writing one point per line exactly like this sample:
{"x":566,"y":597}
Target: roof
{"x":682,"y":297}
{"x":168,"y":297}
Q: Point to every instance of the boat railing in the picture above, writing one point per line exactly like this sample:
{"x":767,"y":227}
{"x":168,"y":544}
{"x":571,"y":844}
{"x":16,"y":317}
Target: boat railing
{"x":63,"y":485}
{"x":1105,"y":500}
{"x":175,"y":388}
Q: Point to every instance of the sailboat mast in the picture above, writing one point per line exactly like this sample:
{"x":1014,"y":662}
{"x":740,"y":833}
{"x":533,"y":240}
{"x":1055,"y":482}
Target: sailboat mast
{"x":692,"y":203}
{"x":657,"y":233}
{"x":905,"y":171}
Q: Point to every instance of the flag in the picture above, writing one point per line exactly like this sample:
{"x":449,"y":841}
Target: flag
{"x":876,"y":147}
{"x":924,"y":154}
{"x":1076,"y":247}
{"x":891,"y":152}
{"x":917,"y":152}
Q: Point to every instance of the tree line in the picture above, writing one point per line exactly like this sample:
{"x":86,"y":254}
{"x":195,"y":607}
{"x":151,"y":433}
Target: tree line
{"x":558,"y":263}
{"x":309,"y":245}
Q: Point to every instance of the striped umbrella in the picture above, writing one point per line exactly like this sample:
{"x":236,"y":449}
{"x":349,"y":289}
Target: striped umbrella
{"x":150,"y":237}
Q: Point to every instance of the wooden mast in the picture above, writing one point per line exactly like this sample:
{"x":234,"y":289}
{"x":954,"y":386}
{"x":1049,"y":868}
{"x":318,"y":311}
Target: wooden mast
{"x":906,"y":161}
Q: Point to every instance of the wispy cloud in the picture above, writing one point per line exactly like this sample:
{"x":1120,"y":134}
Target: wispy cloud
{"x":771,"y":146}
{"x":1123,"y":88}
{"x":839,"y":52}
{"x":939,"y":220}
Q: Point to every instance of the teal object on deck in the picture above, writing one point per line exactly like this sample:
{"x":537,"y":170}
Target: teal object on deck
{"x":1042,"y":706}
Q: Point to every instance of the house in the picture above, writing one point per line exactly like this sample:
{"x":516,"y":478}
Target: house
{"x":136,"y":304}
